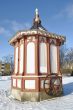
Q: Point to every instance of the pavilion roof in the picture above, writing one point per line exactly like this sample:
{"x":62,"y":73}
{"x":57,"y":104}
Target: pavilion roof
{"x":36,"y":29}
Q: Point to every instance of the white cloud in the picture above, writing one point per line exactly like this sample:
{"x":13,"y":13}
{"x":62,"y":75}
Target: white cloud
{"x":19,"y":26}
{"x":69,"y":10}
{"x":65,"y":12}
{"x":9,"y":28}
{"x":4,"y":32}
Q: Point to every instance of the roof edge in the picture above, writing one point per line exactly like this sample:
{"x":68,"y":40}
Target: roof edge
{"x":20,"y":34}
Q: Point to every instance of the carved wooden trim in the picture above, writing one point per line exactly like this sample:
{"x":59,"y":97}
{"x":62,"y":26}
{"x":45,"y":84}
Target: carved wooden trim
{"x":42,"y":39}
{"x":53,"y":41}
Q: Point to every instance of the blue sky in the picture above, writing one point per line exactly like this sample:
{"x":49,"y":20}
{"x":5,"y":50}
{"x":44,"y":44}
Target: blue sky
{"x":56,"y":16}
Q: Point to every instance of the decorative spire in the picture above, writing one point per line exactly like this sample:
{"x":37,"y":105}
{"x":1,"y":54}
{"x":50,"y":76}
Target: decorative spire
{"x":37,"y":19}
{"x":36,"y":15}
{"x":37,"y":22}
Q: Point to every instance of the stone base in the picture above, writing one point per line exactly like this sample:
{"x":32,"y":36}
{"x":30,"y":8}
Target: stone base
{"x":30,"y":96}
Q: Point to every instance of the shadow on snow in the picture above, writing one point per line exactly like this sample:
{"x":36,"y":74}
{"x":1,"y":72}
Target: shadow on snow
{"x":68,"y":88}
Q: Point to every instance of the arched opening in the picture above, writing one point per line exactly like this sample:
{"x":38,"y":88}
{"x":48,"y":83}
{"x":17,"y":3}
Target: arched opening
{"x":53,"y":58}
{"x":43,"y":58}
{"x":30,"y":58}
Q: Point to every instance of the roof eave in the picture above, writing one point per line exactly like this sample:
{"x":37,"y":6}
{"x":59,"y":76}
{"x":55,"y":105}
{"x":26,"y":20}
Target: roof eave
{"x":33,"y":32}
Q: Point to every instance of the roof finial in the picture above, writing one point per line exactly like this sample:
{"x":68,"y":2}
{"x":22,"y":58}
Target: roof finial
{"x":37,"y":22}
{"x":36,"y":15}
{"x":36,"y":11}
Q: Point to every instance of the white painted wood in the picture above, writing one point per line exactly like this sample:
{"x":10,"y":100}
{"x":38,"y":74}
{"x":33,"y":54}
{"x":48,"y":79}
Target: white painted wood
{"x":42,"y":83}
{"x":29,"y":76}
{"x":31,"y":58}
{"x":46,"y":85}
{"x":43,"y":58}
{"x":14,"y":82}
{"x":19,"y":83}
{"x":16,"y":60}
{"x":53,"y":58}
{"x":21,"y":58}
{"x":29,"y":84}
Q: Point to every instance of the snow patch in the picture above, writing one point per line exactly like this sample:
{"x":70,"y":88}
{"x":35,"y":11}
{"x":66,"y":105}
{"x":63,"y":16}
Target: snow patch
{"x":65,"y":102}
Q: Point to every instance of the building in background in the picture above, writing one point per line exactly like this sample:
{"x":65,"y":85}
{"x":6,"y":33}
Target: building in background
{"x":5,"y":69}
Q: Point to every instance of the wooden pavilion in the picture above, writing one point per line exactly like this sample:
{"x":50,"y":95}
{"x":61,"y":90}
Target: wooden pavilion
{"x":37,"y":73}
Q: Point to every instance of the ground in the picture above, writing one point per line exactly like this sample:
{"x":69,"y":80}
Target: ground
{"x":60,"y":103}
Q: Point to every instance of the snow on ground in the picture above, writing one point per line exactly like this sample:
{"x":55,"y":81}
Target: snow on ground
{"x":60,"y":103}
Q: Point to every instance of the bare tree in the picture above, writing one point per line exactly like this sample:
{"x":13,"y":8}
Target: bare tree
{"x":63,"y":52}
{"x":69,"y":56}
{"x":9,"y":60}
